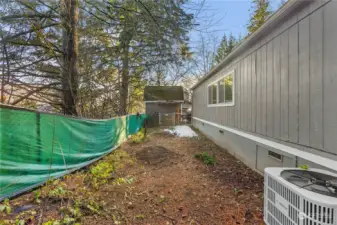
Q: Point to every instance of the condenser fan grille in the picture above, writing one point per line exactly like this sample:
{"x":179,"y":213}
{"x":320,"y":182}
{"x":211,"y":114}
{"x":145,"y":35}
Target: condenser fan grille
{"x":313,"y":181}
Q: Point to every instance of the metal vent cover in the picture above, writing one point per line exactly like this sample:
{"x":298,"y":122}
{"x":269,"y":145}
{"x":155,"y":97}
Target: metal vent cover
{"x":317,"y":214}
{"x":317,"y":182}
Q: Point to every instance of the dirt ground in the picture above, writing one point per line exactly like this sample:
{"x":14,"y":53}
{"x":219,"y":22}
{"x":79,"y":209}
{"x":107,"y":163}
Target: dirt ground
{"x":157,"y":181}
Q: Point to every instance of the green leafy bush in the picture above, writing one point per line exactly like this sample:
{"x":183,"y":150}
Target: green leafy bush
{"x":6,"y":207}
{"x":139,"y":136}
{"x":58,"y":192}
{"x":206,"y":158}
{"x":102,"y":170}
{"x":101,"y":173}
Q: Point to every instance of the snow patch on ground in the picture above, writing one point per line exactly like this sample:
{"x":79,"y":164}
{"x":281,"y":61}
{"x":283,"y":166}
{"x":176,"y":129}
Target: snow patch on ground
{"x":182,"y":131}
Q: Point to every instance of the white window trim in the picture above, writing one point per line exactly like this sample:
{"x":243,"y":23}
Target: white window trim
{"x":217,"y":91}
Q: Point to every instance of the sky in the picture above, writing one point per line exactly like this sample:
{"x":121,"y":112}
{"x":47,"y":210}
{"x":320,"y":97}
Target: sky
{"x":224,"y":16}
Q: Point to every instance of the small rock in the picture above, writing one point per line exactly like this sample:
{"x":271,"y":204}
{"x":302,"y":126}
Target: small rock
{"x":130,"y":205}
{"x":180,"y":208}
{"x":184,"y":216}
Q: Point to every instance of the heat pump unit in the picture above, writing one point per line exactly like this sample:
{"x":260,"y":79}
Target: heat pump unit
{"x":294,"y":196}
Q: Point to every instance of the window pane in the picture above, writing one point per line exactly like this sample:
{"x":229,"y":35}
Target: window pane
{"x":209,"y":94}
{"x":221,"y":85}
{"x":214,"y":96}
{"x":229,"y":88}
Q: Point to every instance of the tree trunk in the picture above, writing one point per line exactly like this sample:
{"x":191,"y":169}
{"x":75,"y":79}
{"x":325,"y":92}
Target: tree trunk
{"x":3,"y":82}
{"x":124,"y":86}
{"x":69,"y":15}
{"x":2,"y":95}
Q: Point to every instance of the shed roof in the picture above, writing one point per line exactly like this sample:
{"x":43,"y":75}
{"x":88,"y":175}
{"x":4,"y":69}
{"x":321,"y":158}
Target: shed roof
{"x":163,"y":93}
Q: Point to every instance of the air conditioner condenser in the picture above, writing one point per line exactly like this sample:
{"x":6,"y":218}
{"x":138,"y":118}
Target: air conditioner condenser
{"x":295,"y":196}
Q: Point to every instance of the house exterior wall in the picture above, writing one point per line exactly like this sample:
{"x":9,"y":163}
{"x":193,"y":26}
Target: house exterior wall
{"x":285,"y":90}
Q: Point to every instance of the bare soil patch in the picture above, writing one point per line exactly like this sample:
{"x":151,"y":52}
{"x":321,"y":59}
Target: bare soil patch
{"x":155,"y":182}
{"x":154,"y":155}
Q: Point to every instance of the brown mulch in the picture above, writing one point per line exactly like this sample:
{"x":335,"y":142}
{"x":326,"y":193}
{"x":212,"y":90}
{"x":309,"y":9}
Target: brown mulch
{"x":173,"y":187}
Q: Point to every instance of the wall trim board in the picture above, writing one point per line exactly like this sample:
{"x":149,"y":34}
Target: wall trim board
{"x":323,"y":161}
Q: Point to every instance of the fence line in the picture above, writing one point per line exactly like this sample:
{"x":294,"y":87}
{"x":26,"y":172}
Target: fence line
{"x":35,"y":147}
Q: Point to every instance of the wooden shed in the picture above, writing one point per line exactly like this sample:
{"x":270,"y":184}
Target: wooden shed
{"x":163,"y":104}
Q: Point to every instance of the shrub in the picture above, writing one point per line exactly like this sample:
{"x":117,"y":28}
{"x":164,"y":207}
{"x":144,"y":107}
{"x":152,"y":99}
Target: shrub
{"x":206,"y":158}
{"x":139,"y":136}
{"x":101,"y":173}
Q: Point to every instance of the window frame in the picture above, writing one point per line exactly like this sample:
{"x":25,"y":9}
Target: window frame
{"x":232,"y":72}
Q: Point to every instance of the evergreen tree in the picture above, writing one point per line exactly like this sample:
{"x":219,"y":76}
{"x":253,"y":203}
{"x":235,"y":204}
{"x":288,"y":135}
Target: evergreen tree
{"x":226,"y":47}
{"x":87,"y":57}
{"x":261,"y":11}
{"x":232,"y":42}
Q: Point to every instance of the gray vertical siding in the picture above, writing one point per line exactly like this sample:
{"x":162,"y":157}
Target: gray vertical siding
{"x":277,"y":88}
{"x":237,"y":94}
{"x":253,"y":97}
{"x":242,"y":93}
{"x":270,"y":121}
{"x":316,"y":75}
{"x":304,"y":82}
{"x":263,"y":90}
{"x":293,"y":84}
{"x":258,"y":92}
{"x":286,"y":83}
{"x":249,"y":93}
{"x":330,"y":77}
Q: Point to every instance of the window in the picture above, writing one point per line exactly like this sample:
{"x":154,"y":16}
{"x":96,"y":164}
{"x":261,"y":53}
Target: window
{"x":221,"y":85}
{"x":212,"y":94}
{"x":229,"y":88}
{"x":221,"y":92}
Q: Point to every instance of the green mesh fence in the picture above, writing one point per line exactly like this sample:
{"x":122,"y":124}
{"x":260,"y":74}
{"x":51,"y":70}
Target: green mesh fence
{"x":35,"y":147}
